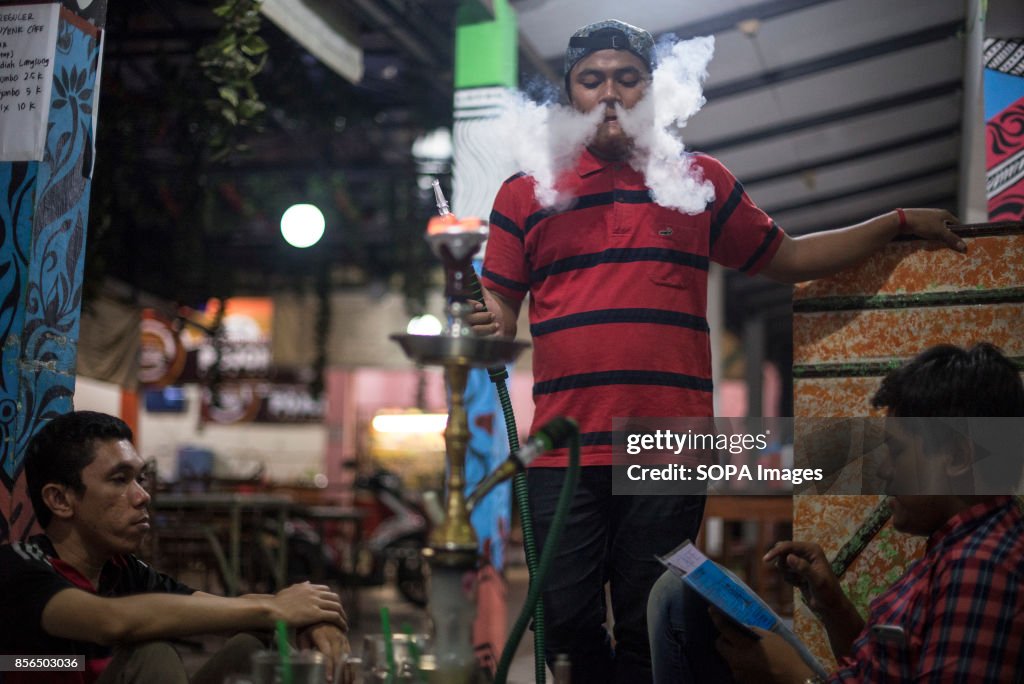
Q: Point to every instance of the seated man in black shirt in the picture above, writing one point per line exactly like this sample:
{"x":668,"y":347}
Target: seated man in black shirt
{"x":78,"y":590}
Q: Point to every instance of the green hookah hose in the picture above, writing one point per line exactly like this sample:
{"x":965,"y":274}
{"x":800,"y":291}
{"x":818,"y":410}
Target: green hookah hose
{"x":572,"y":475}
{"x":498,"y":375}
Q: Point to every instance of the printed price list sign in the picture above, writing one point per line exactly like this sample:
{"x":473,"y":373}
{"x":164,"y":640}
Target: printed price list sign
{"x":28,"y":38}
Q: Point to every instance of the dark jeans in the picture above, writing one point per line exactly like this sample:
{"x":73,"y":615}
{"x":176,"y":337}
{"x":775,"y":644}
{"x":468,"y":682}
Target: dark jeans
{"x":607,"y":539}
{"x":683,"y":636}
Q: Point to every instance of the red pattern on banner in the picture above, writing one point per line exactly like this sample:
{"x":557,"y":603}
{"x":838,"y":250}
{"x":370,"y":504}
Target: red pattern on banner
{"x":1004,"y":151}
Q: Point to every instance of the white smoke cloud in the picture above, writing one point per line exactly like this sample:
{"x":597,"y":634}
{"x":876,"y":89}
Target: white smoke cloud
{"x":656,"y":122}
{"x":545,"y":140}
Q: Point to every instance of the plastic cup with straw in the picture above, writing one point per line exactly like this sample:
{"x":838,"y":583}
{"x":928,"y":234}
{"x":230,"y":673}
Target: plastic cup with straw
{"x":389,"y":642}
{"x":414,"y":652}
{"x":284,"y":653}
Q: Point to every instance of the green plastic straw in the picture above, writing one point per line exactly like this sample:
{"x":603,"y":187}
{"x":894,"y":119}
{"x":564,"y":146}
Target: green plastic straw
{"x":284,"y":652}
{"x":389,"y":645}
{"x":414,"y":651}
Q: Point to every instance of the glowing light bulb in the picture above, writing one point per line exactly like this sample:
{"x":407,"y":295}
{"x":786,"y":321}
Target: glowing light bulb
{"x":302,"y":225}
{"x":424,"y":325}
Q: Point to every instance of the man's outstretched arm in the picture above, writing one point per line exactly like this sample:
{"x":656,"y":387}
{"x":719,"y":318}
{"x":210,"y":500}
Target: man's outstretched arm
{"x":822,"y":254}
{"x":82,"y":616}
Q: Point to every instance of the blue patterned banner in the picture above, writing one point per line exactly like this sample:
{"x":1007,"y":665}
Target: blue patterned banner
{"x":44,"y":212}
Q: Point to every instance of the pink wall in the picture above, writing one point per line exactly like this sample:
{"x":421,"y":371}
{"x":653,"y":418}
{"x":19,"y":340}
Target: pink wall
{"x":355,"y":395}
{"x":733,"y":398}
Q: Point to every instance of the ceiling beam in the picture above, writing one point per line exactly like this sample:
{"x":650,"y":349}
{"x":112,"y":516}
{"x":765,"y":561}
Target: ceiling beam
{"x":871,"y":107}
{"x":165,"y":12}
{"x":193,"y":34}
{"x":835,"y":60}
{"x":299,"y":169}
{"x":407,"y":38}
{"x":529,"y":54}
{"x":727,"y":21}
{"x":885,"y":147}
{"x":322,"y":29}
{"x":887,"y":183}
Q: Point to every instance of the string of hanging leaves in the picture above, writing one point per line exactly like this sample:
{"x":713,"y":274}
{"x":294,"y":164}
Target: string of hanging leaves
{"x":231,"y":61}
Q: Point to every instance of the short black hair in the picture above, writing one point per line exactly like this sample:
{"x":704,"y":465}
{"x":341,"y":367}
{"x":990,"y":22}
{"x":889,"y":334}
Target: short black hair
{"x":946,"y":380}
{"x":956,"y":384}
{"x":62,"y":449}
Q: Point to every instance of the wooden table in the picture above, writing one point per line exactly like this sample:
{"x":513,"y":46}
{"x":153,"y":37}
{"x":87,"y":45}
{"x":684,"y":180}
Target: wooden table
{"x":319,"y":516}
{"x":204,"y":507}
{"x":767,"y":511}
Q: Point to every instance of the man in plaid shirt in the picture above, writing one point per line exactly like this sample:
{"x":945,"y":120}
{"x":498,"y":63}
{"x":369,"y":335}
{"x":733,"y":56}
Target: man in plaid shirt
{"x":957,"y":614}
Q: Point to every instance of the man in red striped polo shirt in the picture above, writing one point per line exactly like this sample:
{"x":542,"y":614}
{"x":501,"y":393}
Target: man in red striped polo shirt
{"x":618,"y":292}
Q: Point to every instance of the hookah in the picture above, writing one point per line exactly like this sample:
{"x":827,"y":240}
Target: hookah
{"x":453,"y":547}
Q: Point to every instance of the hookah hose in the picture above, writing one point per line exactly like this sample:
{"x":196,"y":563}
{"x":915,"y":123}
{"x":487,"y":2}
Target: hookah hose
{"x":498,"y":375}
{"x":572,"y":476}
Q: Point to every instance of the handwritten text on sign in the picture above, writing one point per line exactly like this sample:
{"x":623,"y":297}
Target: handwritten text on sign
{"x":28,"y":38}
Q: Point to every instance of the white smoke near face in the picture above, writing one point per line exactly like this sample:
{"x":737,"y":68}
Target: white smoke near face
{"x":674,"y":95}
{"x":545,"y":140}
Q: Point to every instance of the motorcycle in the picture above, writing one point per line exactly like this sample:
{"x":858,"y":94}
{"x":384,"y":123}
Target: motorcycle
{"x":394,"y":530}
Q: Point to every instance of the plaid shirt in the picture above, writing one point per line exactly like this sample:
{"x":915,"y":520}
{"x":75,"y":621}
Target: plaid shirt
{"x":960,"y":607}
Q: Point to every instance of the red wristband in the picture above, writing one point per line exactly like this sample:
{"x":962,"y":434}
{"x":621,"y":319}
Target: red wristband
{"x":903,"y":220}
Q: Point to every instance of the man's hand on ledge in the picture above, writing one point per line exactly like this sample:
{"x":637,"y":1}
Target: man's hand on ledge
{"x":933,"y":224}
